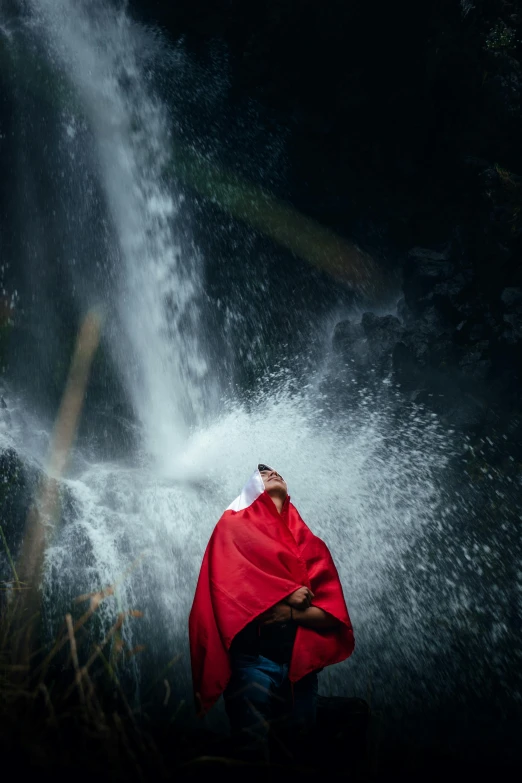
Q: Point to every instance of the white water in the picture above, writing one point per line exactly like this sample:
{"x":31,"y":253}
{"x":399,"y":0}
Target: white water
{"x":369,"y":484}
{"x":104,"y":54}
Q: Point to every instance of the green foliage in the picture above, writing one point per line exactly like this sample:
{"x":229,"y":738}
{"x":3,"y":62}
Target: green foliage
{"x":71,"y":684}
{"x":501,"y":38}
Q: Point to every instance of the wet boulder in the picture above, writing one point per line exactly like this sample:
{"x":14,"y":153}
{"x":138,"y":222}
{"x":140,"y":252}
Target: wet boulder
{"x":382,"y":331}
{"x":424,"y":268}
{"x":16,"y":493}
{"x":512,"y":301}
{"x":368,"y":345}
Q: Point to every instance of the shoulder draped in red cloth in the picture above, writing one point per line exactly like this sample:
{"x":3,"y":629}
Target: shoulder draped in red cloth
{"x":255,"y":558}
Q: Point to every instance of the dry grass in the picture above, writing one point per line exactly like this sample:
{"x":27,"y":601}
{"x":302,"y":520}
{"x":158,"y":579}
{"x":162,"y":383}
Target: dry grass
{"x":62,"y":707}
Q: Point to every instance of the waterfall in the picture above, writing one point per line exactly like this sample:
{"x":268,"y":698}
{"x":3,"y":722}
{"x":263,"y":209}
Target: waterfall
{"x":369,"y":472}
{"x":157,"y":288}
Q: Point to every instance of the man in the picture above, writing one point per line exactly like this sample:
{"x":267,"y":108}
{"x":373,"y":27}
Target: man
{"x":268,"y":613}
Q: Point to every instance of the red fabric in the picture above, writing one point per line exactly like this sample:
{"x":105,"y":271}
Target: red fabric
{"x":254,"y":559}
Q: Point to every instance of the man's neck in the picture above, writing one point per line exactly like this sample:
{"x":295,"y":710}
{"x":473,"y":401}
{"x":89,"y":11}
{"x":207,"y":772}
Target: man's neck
{"x":278,"y":501}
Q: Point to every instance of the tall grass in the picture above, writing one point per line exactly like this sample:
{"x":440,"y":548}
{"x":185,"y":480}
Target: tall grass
{"x":63,"y":707}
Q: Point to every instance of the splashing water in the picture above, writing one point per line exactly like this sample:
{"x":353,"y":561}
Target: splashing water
{"x":370,"y":508}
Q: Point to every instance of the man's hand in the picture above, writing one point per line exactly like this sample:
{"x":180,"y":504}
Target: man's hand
{"x":313,"y":617}
{"x":280,"y":613}
{"x":300,"y":599}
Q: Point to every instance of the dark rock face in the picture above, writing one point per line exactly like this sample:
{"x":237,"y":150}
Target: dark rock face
{"x":368,"y":344}
{"x":458,"y":323}
{"x":460,"y":353}
{"x":16,"y":495}
{"x":512,"y":300}
{"x":457,"y":343}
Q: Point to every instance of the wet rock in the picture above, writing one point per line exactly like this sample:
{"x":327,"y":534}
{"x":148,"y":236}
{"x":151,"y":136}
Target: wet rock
{"x":381,"y":335}
{"x":504,"y":86}
{"x":16,"y":493}
{"x":406,"y":369}
{"x":5,"y":417}
{"x":384,"y":330}
{"x":423,"y":270}
{"x":429,"y":260}
{"x":368,"y":345}
{"x":477,"y":332}
{"x":512,"y":300}
{"x":349,"y":342}
{"x":476,"y":362}
{"x":346,"y":333}
{"x":403,"y":311}
{"x":428,"y":339}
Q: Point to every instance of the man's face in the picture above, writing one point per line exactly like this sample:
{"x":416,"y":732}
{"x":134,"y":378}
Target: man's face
{"x":273,"y":482}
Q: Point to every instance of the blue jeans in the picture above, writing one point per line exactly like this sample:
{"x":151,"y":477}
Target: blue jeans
{"x":260,"y":701}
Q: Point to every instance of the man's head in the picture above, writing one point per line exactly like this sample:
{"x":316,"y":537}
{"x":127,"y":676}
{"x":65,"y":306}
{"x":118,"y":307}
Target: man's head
{"x":275,"y":485}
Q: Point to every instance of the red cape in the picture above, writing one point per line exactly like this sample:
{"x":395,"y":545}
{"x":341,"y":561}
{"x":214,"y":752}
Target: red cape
{"x":255,"y":558}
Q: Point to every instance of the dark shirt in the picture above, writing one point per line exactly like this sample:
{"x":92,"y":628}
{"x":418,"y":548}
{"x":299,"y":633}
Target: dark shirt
{"x":274,"y":641}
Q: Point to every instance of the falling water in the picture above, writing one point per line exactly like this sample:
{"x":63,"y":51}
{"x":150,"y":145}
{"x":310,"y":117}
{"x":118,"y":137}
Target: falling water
{"x":102,"y":52}
{"x":369,"y":472}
